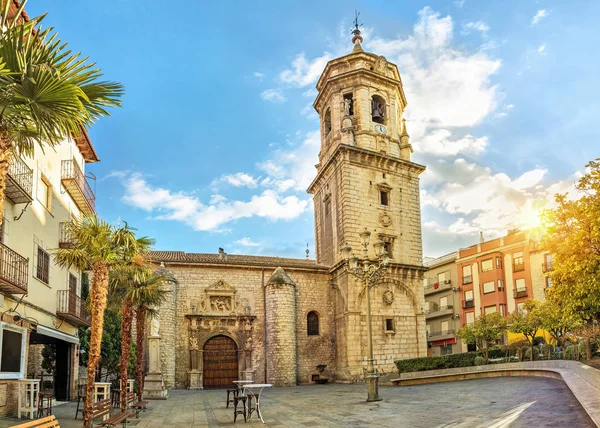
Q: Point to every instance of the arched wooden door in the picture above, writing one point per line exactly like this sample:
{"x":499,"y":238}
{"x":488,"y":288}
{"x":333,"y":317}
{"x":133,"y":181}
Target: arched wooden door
{"x":220,"y":367}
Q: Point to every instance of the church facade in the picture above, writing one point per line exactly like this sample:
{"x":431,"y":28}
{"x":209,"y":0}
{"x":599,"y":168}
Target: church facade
{"x":274,"y":319}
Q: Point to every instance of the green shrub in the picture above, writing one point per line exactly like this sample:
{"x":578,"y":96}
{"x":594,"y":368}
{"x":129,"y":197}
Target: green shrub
{"x":497,"y":352}
{"x":536,"y":354}
{"x":538,"y":339}
{"x":479,"y":361}
{"x":572,"y":352}
{"x":556,"y":356}
{"x":465,"y":359}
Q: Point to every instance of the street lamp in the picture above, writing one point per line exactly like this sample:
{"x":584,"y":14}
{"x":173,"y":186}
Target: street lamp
{"x":368,"y":272}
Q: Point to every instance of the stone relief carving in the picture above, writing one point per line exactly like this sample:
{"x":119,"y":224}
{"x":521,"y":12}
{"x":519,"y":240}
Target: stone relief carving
{"x":388,"y":297}
{"x":155,"y":326}
{"x":193,"y":343}
{"x":385,"y":220}
{"x":380,"y":65}
{"x":220,"y":304}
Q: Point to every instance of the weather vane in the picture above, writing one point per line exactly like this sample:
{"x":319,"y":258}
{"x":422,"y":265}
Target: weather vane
{"x":356,"y":30}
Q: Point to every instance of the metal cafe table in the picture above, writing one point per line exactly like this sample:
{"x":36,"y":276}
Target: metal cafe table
{"x":253,"y":387}
{"x":241,"y":383}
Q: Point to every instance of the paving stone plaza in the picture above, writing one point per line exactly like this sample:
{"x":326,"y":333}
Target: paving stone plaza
{"x":501,"y":402}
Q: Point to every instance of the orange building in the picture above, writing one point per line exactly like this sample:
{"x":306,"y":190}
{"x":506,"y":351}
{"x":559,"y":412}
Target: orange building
{"x":501,"y":274}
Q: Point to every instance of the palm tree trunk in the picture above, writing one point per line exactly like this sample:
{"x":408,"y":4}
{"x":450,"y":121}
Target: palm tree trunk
{"x":126,"y":318}
{"x":98,"y":296}
{"x":140,"y":326}
{"x":6,"y":155}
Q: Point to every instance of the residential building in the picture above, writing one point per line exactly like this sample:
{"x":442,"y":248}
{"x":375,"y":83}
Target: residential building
{"x":40,"y":303}
{"x":442,"y":305}
{"x":501,"y":274}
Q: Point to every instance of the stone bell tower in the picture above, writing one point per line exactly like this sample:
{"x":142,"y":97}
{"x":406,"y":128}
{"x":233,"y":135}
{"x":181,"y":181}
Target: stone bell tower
{"x":366,"y":179}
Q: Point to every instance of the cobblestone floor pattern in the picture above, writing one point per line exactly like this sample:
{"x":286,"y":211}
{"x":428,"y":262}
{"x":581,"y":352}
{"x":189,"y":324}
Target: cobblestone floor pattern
{"x":491,"y":403}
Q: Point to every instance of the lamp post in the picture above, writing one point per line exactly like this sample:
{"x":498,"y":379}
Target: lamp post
{"x":368,"y":271}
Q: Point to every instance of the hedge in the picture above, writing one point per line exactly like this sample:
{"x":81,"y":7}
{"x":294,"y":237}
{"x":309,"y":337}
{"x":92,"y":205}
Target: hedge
{"x":465,"y":359}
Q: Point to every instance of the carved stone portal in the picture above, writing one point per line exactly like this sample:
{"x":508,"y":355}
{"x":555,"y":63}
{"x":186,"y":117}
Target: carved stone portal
{"x":220,"y":312}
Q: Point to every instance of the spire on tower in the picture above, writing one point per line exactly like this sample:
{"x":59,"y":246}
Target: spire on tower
{"x":404,"y":132}
{"x":357,"y":38}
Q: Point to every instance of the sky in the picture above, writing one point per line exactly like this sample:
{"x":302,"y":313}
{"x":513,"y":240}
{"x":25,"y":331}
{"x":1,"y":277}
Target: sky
{"x":217,"y":139}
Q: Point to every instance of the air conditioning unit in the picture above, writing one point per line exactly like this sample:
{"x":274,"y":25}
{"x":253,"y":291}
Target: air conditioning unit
{"x":456,"y":316}
{"x":455,"y":288}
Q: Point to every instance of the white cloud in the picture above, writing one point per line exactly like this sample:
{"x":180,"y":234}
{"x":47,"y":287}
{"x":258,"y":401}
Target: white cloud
{"x":259,"y":76}
{"x":446,"y":87}
{"x":239,"y":179}
{"x":247,"y":242}
{"x":541,"y":14}
{"x":509,"y":106}
{"x":303,"y":71}
{"x":459,"y":3}
{"x":542,"y":49}
{"x":164,"y":204}
{"x":480,"y":26}
{"x":438,"y":143}
{"x":274,"y":95}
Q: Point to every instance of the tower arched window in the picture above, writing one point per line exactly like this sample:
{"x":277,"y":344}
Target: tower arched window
{"x":327,"y":122}
{"x":378,"y":113}
{"x":312,"y":323}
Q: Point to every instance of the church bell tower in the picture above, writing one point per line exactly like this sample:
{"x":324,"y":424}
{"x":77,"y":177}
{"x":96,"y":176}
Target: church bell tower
{"x":366,"y":180}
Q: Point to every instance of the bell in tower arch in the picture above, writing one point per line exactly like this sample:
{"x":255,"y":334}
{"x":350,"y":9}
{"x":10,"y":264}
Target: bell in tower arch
{"x":377,"y":109}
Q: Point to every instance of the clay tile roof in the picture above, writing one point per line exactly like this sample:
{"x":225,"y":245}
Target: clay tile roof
{"x":233,"y":259}
{"x":12,"y":10}
{"x":85,"y":146}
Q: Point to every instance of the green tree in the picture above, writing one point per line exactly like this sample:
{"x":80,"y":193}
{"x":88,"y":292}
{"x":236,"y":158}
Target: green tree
{"x":110,"y":353}
{"x":486,"y":330}
{"x":101,"y":246}
{"x":573,"y":237}
{"x":47,"y":92}
{"x":526,"y":322}
{"x":557,"y":321}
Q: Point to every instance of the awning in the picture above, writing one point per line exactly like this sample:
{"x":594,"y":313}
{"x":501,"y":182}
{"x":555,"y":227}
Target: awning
{"x":50,"y":332}
{"x":444,"y":342}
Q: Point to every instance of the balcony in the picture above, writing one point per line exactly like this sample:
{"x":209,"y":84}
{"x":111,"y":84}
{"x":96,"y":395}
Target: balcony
{"x":439,"y":311}
{"x":72,"y":308}
{"x":518,"y":267}
{"x":438,"y":286}
{"x":466,"y":304}
{"x":14,"y":270}
{"x":520,"y":292}
{"x":19,"y":182}
{"x":441,"y":335}
{"x":65,"y":240}
{"x":547,"y":266}
{"x":77,"y":187}
{"x":467,"y":279}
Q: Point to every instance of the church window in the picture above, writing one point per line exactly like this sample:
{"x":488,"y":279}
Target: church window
{"x":389,"y":324}
{"x":327,"y":122}
{"x":377,"y":109}
{"x":312,"y":323}
{"x":384,"y":197}
{"x":348,"y":105}
{"x":387,"y":247}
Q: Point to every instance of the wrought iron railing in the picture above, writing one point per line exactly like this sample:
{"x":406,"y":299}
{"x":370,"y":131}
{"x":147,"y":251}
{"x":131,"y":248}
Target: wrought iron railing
{"x":468,"y":304}
{"x":467,"y":279}
{"x":441,"y":333}
{"x":21,"y":173}
{"x":65,"y":239}
{"x":438,"y":286}
{"x":518,"y":267}
{"x":70,"y":171}
{"x":438,"y":309}
{"x":13,"y":271}
{"x":520,"y":292}
{"x":71,"y":306}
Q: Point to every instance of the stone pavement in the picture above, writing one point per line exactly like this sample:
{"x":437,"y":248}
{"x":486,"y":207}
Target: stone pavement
{"x":497,"y":402}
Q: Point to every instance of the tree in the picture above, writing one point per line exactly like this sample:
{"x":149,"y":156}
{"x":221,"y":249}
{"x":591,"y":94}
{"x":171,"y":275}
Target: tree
{"x":147,"y":293}
{"x":110,"y":352}
{"x":485,"y":330}
{"x":99,"y":246}
{"x":557,"y":321}
{"x":47,"y":92}
{"x":124,"y":281}
{"x":526,"y":322}
{"x":573,"y":237}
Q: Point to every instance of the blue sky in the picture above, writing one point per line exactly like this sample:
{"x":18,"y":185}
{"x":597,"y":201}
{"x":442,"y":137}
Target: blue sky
{"x":216,"y":141}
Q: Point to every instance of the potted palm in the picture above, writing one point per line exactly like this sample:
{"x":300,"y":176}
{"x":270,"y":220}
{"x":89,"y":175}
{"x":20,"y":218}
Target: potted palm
{"x":321,"y":380}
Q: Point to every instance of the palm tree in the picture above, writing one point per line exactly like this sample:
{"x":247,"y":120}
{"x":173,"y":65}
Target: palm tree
{"x":146,"y":295}
{"x":47,"y":92}
{"x":98,"y":246}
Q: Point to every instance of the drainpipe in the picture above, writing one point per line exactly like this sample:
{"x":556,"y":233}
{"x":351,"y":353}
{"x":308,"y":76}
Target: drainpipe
{"x":264,"y":323}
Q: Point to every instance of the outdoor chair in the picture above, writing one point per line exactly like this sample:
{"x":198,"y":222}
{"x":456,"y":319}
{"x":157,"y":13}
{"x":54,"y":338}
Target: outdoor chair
{"x":80,"y":398}
{"x":239,"y":400}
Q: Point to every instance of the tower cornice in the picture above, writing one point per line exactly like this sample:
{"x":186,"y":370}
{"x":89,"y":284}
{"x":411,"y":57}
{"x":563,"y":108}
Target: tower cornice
{"x":375,"y":159}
